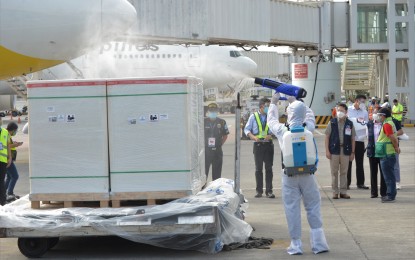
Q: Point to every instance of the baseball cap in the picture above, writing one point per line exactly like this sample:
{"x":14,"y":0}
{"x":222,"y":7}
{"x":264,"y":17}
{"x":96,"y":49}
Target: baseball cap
{"x":212,"y":107}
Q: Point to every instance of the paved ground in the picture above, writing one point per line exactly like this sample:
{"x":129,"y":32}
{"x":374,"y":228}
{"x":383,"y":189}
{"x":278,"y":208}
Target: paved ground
{"x":359,"y":228}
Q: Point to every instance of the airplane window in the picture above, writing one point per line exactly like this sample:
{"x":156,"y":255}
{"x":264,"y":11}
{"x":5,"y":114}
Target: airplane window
{"x":136,"y":56}
{"x":119,"y":56}
{"x":142,"y":56}
{"x":152,"y":56}
{"x":235,"y":54}
{"x":158,"y":56}
{"x":174,"y":55}
{"x":164,"y":56}
{"x":147,"y":56}
{"x":131,"y":56}
{"x":168,"y":56}
{"x":180,"y":56}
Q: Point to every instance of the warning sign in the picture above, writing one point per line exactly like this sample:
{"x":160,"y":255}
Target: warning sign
{"x":300,"y":71}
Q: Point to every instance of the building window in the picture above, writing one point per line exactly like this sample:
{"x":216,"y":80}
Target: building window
{"x":372,"y":24}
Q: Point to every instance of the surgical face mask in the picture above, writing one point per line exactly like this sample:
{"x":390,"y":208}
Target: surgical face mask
{"x":212,"y":115}
{"x":362,"y":106}
{"x":266,"y":110}
{"x":376,"y":117}
{"x":341,"y":114}
{"x":14,"y":132}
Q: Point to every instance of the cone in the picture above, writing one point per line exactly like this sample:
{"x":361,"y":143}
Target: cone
{"x":19,"y":120}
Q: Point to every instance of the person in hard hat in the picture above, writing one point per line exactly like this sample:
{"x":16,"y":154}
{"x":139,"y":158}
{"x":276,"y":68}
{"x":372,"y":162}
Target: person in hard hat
{"x":5,"y":161}
{"x":257,"y":130}
{"x":12,"y":174}
{"x":300,"y":186}
{"x":216,"y":133}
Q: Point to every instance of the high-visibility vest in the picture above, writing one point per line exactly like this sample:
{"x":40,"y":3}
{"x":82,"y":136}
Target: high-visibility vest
{"x":4,"y":139}
{"x":261,"y":133}
{"x":397,"y":108}
{"x":390,"y":150}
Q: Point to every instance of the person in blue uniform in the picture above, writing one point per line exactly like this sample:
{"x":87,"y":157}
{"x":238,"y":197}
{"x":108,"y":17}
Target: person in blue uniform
{"x":257,"y":130}
{"x":216,"y":133}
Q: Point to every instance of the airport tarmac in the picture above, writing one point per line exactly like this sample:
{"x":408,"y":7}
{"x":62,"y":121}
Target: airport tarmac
{"x":359,"y":228}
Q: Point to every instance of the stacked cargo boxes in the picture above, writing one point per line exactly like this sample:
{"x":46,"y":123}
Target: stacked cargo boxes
{"x":125,"y":139}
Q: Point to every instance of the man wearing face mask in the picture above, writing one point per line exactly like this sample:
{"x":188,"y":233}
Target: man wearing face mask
{"x":257,"y":130}
{"x":358,"y":111}
{"x":340,"y":146}
{"x":373,"y":129}
{"x":216,"y":133}
{"x":385,"y":149}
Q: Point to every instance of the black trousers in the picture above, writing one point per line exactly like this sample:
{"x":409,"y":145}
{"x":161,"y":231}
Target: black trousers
{"x":263,"y":154}
{"x":359,"y":155}
{"x":3,"y":170}
{"x":214,"y":158}
{"x":374,"y":164}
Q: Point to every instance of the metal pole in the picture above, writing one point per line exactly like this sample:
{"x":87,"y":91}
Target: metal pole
{"x":238,"y":145}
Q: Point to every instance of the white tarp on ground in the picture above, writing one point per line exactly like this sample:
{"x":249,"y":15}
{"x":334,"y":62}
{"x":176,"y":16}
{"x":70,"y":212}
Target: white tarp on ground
{"x":229,"y":226}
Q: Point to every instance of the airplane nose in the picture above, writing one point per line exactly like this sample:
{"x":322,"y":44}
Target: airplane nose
{"x":250,"y":66}
{"x":117,"y":16}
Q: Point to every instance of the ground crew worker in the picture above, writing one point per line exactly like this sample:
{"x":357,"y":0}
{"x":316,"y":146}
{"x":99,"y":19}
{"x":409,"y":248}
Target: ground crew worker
{"x":5,"y":160}
{"x":257,"y":130}
{"x":397,"y":111}
{"x":216,"y":133}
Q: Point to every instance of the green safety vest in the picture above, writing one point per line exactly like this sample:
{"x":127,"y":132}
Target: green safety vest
{"x":260,"y":132}
{"x":384,"y":145}
{"x":4,"y":138}
{"x":397,"y":108}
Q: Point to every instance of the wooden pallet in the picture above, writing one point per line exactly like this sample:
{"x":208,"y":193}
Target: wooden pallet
{"x":70,"y":200}
{"x":145,"y":198}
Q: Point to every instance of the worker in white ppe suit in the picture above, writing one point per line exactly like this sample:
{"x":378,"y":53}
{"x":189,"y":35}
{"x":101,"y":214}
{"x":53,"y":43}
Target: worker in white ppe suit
{"x":298,"y":186}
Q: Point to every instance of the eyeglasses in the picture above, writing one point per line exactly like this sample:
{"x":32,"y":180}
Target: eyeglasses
{"x":381,"y":114}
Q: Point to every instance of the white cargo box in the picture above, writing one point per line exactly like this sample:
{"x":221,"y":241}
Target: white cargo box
{"x":155,"y":137}
{"x":68,"y":140}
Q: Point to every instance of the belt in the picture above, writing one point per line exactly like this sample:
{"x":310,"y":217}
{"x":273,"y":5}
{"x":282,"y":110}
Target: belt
{"x":341,"y":145}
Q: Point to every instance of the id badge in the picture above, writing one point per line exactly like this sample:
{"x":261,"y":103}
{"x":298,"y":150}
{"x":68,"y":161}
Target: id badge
{"x":211,"y":142}
{"x":348,"y":131}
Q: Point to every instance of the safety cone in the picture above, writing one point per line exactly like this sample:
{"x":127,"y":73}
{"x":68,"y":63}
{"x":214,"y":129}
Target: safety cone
{"x":19,"y":120}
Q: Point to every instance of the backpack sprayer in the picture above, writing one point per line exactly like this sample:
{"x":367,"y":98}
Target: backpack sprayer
{"x":299,"y":153}
{"x":283,"y":88}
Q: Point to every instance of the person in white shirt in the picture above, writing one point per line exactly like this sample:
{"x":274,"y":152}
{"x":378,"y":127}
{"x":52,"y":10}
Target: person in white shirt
{"x":360,"y":115}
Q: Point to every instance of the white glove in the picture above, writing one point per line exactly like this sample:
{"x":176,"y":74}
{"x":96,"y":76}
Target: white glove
{"x":275,"y":98}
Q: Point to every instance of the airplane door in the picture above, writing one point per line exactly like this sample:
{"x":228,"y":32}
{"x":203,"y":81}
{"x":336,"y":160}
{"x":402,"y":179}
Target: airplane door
{"x":194,"y":58}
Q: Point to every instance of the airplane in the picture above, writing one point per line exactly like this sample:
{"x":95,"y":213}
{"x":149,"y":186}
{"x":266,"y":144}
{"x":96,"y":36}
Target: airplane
{"x":217,"y":66}
{"x":36,"y":34}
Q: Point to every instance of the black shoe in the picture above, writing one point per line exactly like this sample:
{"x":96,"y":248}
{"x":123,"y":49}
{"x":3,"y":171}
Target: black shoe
{"x":270,"y":195}
{"x":374,"y":196}
{"x":388,"y":200}
{"x":258,"y":195}
{"x":362,"y":187}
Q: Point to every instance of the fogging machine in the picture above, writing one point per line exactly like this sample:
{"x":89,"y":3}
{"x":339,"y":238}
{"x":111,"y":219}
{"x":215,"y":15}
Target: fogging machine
{"x":283,"y":88}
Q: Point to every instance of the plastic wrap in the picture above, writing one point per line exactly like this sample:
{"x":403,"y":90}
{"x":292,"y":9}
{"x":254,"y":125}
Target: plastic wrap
{"x":203,"y":222}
